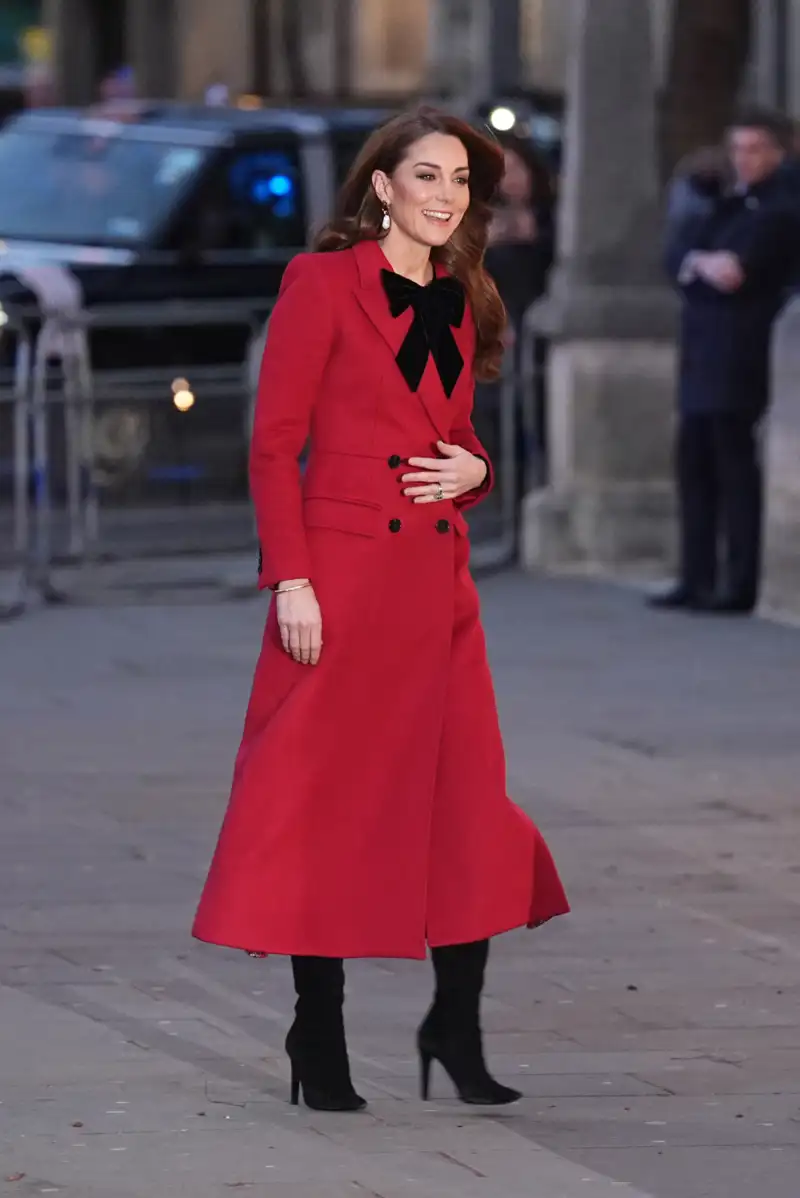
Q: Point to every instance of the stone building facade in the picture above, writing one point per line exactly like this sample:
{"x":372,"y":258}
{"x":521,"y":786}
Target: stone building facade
{"x":366,"y":47}
{"x":396,"y":47}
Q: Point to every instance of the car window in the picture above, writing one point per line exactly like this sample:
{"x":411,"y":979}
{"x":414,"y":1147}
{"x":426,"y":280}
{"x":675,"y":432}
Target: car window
{"x":90,"y":189}
{"x":261,"y":200}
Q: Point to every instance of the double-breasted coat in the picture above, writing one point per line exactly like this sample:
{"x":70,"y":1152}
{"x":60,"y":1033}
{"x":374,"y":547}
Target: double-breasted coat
{"x":369,"y":813}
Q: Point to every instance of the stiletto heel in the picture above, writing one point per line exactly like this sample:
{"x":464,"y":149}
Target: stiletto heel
{"x":425,"y":1062}
{"x":316,"y":1045}
{"x":451,"y":1032}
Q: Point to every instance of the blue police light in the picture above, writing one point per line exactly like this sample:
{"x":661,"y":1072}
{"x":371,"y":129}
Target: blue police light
{"x":280,"y":185}
{"x":275,"y":187}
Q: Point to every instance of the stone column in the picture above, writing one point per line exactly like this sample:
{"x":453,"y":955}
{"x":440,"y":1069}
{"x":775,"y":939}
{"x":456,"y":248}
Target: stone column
{"x":74,"y":50}
{"x":458,"y":49}
{"x":505,"y":45}
{"x":151,"y":37}
{"x":609,"y":314}
{"x":782,"y":454}
{"x":214,"y":42}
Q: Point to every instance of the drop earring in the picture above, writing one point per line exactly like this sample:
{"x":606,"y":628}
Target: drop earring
{"x":386,"y":223}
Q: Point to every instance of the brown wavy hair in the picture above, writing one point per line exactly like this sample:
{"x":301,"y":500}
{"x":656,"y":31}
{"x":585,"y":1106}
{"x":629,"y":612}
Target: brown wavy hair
{"x":359,"y":216}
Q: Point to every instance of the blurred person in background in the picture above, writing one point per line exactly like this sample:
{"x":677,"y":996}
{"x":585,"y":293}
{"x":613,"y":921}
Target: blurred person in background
{"x":521,"y":234}
{"x":369,"y":815}
{"x":697,"y":181}
{"x":790,"y":169}
{"x":519,"y":257}
{"x":733,"y":262}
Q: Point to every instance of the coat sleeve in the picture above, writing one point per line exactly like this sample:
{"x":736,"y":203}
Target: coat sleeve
{"x":300,"y":338}
{"x":466,"y":437}
{"x":683,"y":236}
{"x":772,"y":256}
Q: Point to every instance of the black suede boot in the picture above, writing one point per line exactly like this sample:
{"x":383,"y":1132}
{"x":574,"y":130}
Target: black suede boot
{"x":451,"y":1032}
{"x":316,"y":1041}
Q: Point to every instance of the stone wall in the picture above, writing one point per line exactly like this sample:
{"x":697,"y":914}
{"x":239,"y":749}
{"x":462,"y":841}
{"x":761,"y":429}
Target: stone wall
{"x":782,"y":455}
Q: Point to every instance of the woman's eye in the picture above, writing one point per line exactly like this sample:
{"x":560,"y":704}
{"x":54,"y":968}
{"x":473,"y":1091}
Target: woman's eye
{"x":426,"y":178}
{"x":463,"y":181}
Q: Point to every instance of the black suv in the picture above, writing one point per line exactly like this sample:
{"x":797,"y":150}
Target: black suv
{"x":178,"y":222}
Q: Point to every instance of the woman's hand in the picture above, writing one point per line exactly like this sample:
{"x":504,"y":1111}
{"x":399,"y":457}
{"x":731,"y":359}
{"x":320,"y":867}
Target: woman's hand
{"x":300,"y":621}
{"x":448,"y":477}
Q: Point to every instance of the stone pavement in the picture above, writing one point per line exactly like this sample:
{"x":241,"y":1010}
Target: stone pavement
{"x":656,"y":1031}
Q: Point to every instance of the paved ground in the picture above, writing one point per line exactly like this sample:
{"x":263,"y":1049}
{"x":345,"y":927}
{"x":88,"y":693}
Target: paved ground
{"x":656,"y":1032}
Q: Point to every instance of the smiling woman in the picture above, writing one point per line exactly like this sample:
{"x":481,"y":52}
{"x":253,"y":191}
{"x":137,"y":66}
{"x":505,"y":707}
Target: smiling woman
{"x":440,"y":195}
{"x":369,"y":813}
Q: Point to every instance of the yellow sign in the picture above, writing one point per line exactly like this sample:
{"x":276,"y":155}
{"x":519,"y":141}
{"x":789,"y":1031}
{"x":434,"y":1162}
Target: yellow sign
{"x":36,"y":43}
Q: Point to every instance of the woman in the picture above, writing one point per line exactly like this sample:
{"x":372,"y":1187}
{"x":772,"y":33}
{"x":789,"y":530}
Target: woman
{"x":369,"y":813}
{"x":521,"y":237}
{"x":519,"y":258}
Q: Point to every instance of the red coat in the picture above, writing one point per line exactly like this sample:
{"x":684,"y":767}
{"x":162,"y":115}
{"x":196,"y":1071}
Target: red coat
{"x":369,"y":811}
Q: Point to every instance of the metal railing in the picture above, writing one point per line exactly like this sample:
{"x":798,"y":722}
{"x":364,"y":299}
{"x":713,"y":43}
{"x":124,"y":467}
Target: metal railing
{"x":508,"y":415}
{"x":510,"y":419}
{"x":57,"y":342}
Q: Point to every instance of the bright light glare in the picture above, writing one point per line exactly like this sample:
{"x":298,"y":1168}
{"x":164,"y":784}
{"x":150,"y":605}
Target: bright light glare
{"x":503,"y":119}
{"x":183,"y":400}
{"x":3,"y":317}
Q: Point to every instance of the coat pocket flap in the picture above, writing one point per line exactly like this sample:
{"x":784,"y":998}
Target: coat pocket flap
{"x":344,"y":515}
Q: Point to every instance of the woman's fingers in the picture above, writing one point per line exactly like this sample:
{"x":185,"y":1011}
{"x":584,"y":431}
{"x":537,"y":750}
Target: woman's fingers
{"x":316,"y":644}
{"x":428,"y":476}
{"x":430,"y":489}
{"x":300,"y":623}
{"x":303,"y":641}
{"x":305,"y":645}
{"x":426,"y":463}
{"x":295,"y":642}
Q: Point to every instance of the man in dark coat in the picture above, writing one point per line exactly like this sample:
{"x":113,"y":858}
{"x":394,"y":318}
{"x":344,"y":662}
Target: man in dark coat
{"x":733,"y":265}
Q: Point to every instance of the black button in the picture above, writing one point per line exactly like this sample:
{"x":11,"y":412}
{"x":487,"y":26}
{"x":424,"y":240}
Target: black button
{"x":394,"y":461}
{"x":395,"y":525}
{"x":442,"y":525}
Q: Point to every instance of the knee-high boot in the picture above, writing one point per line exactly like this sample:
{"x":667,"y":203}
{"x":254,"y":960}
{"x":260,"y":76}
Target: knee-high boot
{"x":451,"y":1033}
{"x":316,"y":1041}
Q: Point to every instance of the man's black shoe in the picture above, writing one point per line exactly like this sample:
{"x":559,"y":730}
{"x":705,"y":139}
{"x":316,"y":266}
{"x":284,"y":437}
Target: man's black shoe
{"x":677,"y":598}
{"x":730,"y":605}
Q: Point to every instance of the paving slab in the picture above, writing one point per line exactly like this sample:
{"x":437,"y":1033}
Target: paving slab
{"x":656,"y":1032}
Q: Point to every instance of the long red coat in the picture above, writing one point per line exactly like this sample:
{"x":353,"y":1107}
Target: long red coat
{"x":369,"y":812}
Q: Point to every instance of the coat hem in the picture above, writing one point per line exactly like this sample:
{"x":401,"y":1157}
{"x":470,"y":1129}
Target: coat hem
{"x":361,"y":954}
{"x":533,"y":922}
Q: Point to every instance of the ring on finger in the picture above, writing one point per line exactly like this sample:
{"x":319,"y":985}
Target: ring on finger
{"x":439,"y":493}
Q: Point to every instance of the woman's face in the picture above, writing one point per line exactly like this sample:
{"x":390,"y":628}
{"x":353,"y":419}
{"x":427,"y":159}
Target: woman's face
{"x":428,"y":192}
{"x":517,"y":183}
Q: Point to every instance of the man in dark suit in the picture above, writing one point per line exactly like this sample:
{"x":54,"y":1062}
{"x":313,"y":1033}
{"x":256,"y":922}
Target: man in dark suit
{"x":733,"y":265}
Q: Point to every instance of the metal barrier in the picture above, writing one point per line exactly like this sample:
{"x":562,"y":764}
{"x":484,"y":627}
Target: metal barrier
{"x":60,"y":337}
{"x":510,"y":420}
{"x":509,"y":417}
{"x":532,"y":372}
{"x":48,"y":339}
{"x":15,"y":396}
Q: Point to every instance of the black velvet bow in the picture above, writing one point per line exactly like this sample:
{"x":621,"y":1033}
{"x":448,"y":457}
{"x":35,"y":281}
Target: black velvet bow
{"x":438,"y":308}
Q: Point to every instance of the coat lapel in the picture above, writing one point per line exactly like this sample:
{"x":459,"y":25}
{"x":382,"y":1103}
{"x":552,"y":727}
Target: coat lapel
{"x":371,"y":261}
{"x":370,"y":293}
